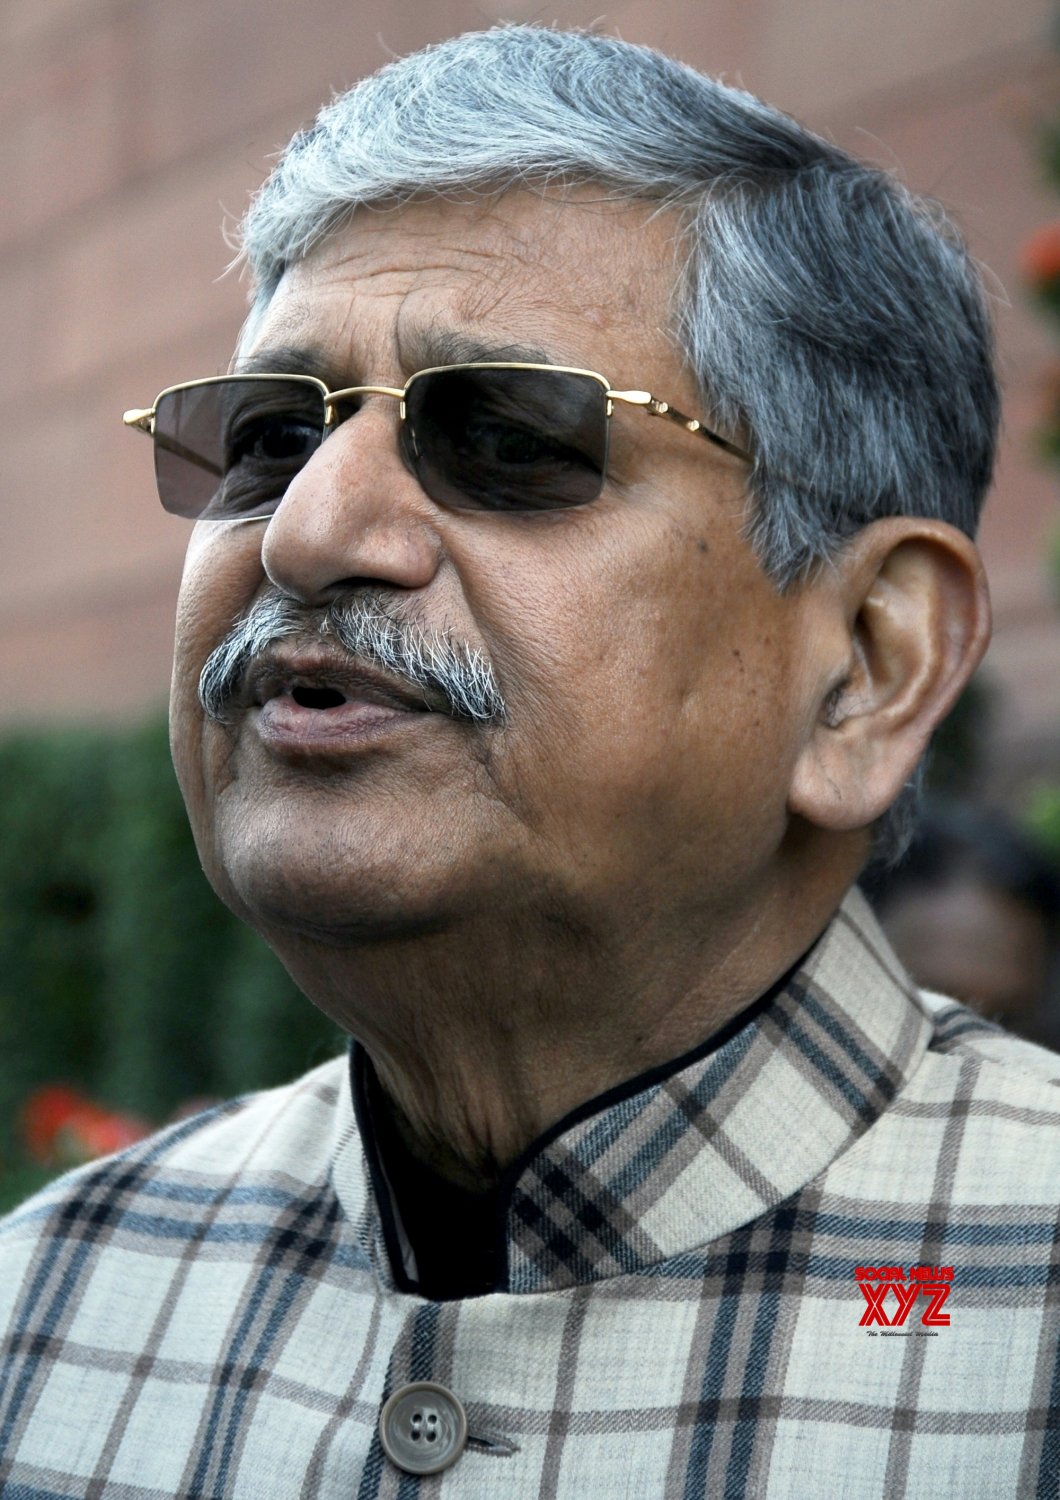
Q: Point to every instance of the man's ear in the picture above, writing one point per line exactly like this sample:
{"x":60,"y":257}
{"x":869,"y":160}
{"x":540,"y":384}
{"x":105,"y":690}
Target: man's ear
{"x":905,"y":619}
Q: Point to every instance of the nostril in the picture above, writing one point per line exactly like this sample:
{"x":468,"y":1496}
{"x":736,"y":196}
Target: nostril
{"x":309,"y":697}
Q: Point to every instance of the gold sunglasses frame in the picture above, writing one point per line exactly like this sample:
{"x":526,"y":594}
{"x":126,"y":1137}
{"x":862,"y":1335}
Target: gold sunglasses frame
{"x":143,"y":419}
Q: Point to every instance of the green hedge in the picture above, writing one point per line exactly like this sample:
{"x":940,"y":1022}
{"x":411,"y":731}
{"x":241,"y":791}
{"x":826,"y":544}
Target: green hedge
{"x":120,"y":971}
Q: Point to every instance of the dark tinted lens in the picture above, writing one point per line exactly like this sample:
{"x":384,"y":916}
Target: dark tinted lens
{"x":507,"y":439}
{"x":231,"y":447}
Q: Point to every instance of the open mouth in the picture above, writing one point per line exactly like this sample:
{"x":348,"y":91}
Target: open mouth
{"x":317,"y":697}
{"x":312,"y":705}
{"x":323,"y":684}
{"x":304,"y":714}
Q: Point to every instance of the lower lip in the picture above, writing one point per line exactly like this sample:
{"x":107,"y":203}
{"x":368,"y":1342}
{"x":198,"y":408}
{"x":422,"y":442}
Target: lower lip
{"x":288,"y":728}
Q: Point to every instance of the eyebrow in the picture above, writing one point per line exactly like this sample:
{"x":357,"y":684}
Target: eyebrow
{"x":290,"y":359}
{"x":421,"y":351}
{"x":444,"y":346}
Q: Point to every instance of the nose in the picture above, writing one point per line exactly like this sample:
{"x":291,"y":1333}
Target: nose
{"x":353,"y":516}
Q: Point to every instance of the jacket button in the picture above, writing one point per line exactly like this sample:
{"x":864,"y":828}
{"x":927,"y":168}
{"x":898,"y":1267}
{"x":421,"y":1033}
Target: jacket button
{"x":423,"y":1428}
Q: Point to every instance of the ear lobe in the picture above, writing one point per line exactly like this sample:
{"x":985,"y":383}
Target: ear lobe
{"x":909,"y":620}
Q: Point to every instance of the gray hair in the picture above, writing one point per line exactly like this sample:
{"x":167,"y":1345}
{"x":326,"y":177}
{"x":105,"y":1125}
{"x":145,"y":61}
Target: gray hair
{"x":822,"y":307}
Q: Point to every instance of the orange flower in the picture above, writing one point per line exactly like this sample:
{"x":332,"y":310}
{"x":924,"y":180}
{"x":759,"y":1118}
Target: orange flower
{"x":62,"y":1127}
{"x":44,"y":1114}
{"x":1040,"y":258}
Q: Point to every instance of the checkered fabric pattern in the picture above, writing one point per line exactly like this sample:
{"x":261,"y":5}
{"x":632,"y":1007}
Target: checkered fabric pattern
{"x":213,"y":1313}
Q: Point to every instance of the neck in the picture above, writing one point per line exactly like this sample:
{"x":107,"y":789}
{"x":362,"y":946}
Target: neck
{"x":484,"y":1034}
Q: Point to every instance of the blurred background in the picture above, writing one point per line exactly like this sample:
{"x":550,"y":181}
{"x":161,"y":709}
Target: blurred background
{"x":131,"y":131}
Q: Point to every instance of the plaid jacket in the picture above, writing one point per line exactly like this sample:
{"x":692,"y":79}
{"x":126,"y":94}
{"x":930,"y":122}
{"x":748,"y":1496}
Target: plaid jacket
{"x":687,"y":1313}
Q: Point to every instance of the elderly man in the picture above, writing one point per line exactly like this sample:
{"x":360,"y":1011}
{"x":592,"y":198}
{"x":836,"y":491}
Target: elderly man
{"x":582,"y":563}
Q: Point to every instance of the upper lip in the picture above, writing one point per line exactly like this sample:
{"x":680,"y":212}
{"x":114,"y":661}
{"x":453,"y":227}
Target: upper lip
{"x":278,"y":671}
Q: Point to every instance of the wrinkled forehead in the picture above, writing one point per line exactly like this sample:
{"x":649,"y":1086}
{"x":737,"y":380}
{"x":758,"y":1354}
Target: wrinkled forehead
{"x":573,"y":277}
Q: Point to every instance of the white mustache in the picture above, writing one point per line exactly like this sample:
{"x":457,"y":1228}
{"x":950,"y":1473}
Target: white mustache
{"x":461,"y":675}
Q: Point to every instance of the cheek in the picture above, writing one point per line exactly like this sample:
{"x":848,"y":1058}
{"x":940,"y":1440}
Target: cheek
{"x":222,"y":573}
{"x":650,"y":682}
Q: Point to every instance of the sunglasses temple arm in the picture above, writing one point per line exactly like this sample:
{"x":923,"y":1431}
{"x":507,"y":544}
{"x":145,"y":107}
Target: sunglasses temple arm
{"x":187,"y":454}
{"x":144,"y":421}
{"x":656,"y":408}
{"x":694,"y":425}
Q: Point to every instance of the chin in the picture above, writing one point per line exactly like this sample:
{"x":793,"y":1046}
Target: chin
{"x":338,"y":890}
{"x":360,"y":920}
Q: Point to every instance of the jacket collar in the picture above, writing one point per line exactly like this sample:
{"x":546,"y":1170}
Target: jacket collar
{"x":681,"y":1156}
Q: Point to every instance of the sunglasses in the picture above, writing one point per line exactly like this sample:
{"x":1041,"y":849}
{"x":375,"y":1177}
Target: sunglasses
{"x":503,"y":437}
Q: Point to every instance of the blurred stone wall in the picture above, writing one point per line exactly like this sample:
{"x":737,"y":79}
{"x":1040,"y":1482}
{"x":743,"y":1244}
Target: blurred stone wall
{"x":130,"y":129}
